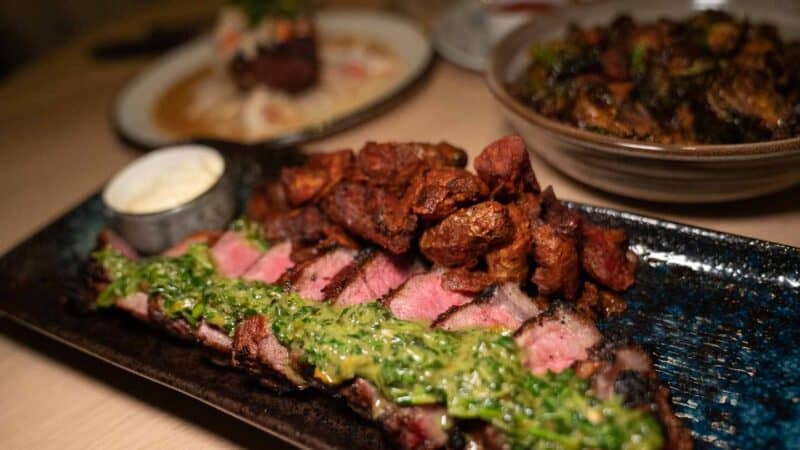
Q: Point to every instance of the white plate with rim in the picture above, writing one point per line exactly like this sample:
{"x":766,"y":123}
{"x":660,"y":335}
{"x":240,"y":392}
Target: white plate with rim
{"x":132,"y":112}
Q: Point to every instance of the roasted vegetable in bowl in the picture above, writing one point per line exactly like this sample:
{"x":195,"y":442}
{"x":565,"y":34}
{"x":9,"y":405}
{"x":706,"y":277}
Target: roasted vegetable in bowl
{"x":708,"y":79}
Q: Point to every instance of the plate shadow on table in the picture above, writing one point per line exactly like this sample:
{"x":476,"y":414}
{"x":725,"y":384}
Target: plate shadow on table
{"x":174,"y":403}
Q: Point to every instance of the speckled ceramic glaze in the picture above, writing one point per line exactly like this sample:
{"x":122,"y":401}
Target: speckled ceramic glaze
{"x":719,"y":313}
{"x":668,"y":173}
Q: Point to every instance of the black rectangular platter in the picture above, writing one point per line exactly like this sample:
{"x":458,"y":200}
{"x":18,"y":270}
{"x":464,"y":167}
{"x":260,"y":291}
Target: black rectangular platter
{"x":720,"y":314}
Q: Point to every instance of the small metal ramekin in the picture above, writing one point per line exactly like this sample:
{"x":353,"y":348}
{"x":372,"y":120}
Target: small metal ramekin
{"x":152,"y":233}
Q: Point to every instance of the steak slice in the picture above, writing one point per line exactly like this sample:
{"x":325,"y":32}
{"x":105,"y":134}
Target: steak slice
{"x":134,"y":304}
{"x":214,"y":338}
{"x":317,"y":274}
{"x":504,"y":306}
{"x":257,"y":350}
{"x":615,"y":375}
{"x":410,"y":427}
{"x":201,"y":237}
{"x":375,"y":277}
{"x":108,"y":238}
{"x":177,"y":327}
{"x":272,"y":264}
{"x":233,"y":254}
{"x":625,"y":370}
{"x":555,"y":340}
{"x":423,"y":298}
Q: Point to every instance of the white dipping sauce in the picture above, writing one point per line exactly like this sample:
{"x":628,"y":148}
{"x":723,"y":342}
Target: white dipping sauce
{"x":164,"y":179}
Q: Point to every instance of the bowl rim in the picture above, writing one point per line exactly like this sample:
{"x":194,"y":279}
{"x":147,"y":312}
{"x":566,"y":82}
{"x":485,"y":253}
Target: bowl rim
{"x":509,"y":46}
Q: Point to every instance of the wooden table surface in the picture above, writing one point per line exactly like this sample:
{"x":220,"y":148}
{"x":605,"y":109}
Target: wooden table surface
{"x":57,"y":148}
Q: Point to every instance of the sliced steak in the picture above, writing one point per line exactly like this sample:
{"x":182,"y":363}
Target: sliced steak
{"x":272,"y":264}
{"x":613,"y":367}
{"x":315,"y":276}
{"x":214,"y":338}
{"x":108,"y":238}
{"x":423,"y":298}
{"x":201,"y":237}
{"x":233,"y":254}
{"x":625,"y":370}
{"x":257,"y":350}
{"x":556,"y":340}
{"x":175,"y":326}
{"x":504,"y":306}
{"x":411,"y":427}
{"x":483,"y":436}
{"x":375,"y":277}
{"x":134,"y":304}
{"x":349,"y":274}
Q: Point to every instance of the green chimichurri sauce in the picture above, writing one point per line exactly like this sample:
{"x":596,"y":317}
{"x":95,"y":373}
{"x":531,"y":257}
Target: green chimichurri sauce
{"x":476,"y":373}
{"x":252,"y":231}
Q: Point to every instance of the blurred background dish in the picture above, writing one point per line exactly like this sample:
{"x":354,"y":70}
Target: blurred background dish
{"x":646,"y":170}
{"x":461,"y":36}
{"x":227,"y":88}
{"x":467,"y":31}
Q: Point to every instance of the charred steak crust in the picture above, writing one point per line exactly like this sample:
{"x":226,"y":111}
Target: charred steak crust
{"x":503,"y":306}
{"x":349,"y":273}
{"x":258,"y":352}
{"x":178,"y":328}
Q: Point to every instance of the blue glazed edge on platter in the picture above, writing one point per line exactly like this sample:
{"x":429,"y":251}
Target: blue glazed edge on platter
{"x":719,"y":313}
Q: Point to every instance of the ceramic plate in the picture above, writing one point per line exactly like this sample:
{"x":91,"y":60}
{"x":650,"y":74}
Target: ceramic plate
{"x":718,"y":312}
{"x":132,"y":111}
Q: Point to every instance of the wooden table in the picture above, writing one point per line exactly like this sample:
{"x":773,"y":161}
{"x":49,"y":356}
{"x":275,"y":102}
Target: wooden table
{"x":58,"y":148}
